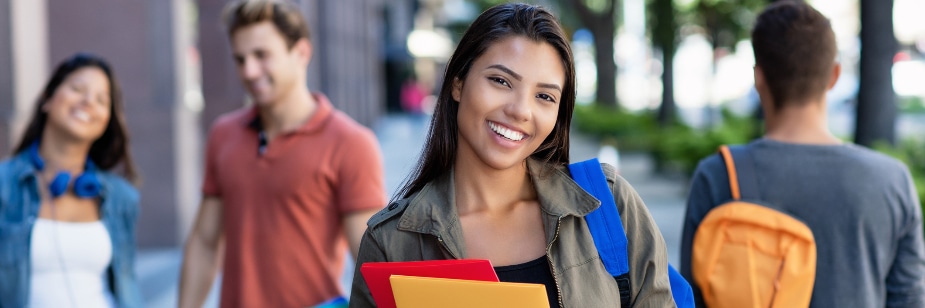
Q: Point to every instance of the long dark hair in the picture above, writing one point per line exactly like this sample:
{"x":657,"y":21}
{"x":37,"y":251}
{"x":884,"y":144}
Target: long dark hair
{"x":109,"y":150}
{"x":499,"y":22}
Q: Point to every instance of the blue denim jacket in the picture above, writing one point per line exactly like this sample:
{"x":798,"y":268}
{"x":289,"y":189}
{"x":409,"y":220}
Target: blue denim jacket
{"x":19,"y":208}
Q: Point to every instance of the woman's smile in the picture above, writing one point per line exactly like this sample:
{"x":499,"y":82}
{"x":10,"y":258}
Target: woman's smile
{"x":507,"y":133}
{"x":80,"y":115}
{"x":508,"y":103}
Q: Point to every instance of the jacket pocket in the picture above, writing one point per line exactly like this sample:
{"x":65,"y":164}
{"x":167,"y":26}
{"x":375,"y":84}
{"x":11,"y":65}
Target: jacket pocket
{"x":13,"y":243}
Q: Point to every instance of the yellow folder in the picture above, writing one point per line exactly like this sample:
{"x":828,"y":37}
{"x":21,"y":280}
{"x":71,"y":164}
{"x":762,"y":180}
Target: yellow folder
{"x":421,"y":292}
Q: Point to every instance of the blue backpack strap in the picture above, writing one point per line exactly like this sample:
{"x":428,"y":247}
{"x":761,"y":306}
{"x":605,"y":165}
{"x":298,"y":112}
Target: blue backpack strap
{"x":609,"y":238}
{"x":681,"y":290}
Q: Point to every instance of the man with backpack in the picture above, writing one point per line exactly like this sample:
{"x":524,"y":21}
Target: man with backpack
{"x":799,"y":218}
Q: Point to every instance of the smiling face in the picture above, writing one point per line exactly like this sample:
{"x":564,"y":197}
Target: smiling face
{"x":269,"y":69}
{"x":508,"y":102}
{"x":81,"y":105}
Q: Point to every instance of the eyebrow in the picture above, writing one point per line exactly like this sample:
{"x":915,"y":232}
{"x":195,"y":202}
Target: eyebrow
{"x":519,"y":78}
{"x":506,"y":70}
{"x":550,"y":86}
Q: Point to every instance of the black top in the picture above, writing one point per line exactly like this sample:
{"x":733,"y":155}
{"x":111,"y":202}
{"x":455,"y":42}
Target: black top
{"x":536,"y":271}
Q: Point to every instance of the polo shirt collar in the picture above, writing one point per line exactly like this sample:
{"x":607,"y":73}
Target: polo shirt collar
{"x":322,"y":113}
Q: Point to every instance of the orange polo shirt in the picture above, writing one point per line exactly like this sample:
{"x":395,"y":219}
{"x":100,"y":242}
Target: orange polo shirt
{"x":283,"y":209}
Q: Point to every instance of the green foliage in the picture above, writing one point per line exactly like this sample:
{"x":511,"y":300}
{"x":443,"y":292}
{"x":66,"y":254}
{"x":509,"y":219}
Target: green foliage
{"x":662,"y":22}
{"x":561,"y":8}
{"x":677,"y":146}
{"x":682,"y":147}
{"x":631,"y":131}
{"x":725,"y":21}
{"x":912,"y":153}
{"x":598,"y":6}
{"x":483,"y":5}
{"x":912,"y":104}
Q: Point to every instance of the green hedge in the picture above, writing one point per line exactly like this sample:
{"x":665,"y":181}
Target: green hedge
{"x":911,"y":152}
{"x":911,"y":104}
{"x":682,"y":147}
{"x":632,"y":131}
{"x":677,"y":146}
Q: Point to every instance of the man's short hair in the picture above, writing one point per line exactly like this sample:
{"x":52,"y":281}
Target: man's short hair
{"x":795,"y":48}
{"x":285,"y":16}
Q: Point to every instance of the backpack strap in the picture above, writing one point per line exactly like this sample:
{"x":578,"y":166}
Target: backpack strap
{"x":609,"y":238}
{"x":743,"y":183}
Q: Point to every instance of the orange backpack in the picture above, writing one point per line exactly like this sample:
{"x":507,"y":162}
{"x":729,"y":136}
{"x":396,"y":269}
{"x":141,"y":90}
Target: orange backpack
{"x":748,"y":255}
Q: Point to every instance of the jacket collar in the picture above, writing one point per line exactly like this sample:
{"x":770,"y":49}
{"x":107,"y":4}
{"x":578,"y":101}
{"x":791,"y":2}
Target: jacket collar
{"x":433,"y":209}
{"x":23,"y":167}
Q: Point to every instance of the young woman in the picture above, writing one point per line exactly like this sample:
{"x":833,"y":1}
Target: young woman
{"x":67,"y":224}
{"x":493,"y":184}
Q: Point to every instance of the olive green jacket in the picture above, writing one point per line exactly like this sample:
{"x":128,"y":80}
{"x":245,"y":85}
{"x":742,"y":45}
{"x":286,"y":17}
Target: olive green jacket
{"x":426,"y":226}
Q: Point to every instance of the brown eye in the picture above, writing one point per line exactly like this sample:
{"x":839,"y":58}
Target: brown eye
{"x":102,"y":100}
{"x":500,"y":81}
{"x":546,"y":97}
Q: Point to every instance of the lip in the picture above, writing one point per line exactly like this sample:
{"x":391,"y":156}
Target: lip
{"x":505,"y":142}
{"x":259,"y":85}
{"x":257,"y":90}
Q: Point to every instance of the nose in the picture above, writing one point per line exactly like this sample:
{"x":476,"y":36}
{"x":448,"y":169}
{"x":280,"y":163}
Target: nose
{"x":519,"y":108}
{"x":249,"y":68}
{"x":86,"y":98}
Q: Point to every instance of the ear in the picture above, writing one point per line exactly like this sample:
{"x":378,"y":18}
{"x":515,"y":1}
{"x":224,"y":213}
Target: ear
{"x":303,"y":50}
{"x":836,"y":72}
{"x":457,"y":89}
{"x":759,"y":79}
{"x":764,"y":95}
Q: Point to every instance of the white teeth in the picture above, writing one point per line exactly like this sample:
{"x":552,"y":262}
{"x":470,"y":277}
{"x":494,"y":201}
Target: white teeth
{"x":82,"y":116}
{"x":506,"y":133}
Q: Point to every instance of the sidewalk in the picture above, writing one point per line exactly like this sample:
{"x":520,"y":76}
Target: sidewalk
{"x":401,"y":138}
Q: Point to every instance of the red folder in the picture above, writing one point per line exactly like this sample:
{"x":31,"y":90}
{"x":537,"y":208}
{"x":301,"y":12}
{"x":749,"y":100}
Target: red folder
{"x":377,"y":274}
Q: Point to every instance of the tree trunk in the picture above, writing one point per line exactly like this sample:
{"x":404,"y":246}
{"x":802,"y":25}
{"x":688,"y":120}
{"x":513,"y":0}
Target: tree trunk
{"x":602,"y":27}
{"x":606,"y":67}
{"x":876,"y":110}
{"x":664,"y":35}
{"x":666,"y":111}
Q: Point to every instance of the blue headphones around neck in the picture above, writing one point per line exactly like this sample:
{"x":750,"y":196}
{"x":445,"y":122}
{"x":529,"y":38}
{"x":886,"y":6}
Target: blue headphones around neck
{"x":86,"y":185}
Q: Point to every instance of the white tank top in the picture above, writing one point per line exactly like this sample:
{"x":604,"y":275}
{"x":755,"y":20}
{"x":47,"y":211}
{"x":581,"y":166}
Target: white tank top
{"x":69,"y":263}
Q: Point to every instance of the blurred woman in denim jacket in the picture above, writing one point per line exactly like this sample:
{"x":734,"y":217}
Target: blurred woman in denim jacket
{"x":67,"y":224}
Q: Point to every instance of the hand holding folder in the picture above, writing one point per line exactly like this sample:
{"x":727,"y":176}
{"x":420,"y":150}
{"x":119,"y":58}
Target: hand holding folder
{"x":377,"y":274}
{"x":426,"y":292}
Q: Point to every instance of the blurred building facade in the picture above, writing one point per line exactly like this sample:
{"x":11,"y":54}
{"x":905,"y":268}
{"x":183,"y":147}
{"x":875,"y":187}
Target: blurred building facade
{"x":174,"y":64}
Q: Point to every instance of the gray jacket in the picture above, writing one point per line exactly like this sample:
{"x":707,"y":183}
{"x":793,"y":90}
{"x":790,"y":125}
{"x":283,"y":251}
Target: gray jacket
{"x":426,"y":226}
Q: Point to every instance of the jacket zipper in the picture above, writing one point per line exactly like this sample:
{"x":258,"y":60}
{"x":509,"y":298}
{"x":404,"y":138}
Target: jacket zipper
{"x":548,"y":251}
{"x":440,"y":239}
{"x":551,"y":266}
